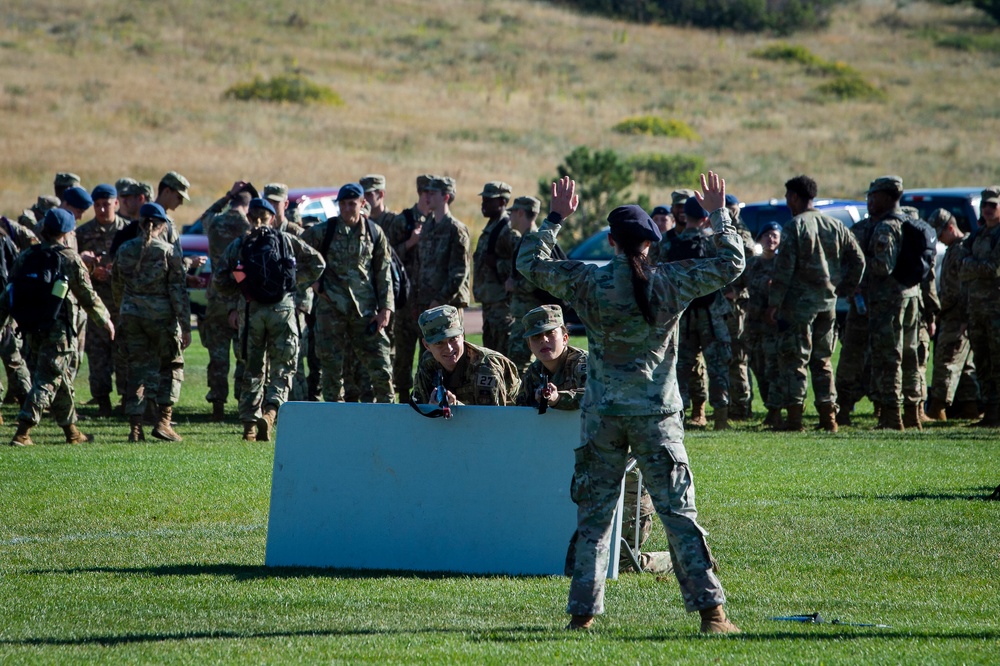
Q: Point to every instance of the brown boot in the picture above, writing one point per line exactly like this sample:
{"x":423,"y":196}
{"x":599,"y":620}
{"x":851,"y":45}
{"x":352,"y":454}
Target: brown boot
{"x":135,"y":433}
{"x":104,"y":407}
{"x":911,"y":416}
{"x":265,"y":424}
{"x":163,"y":429}
{"x":250,"y":431}
{"x":844,"y":410}
{"x":21,"y":437}
{"x":937,"y":410}
{"x":773,"y":418}
{"x":581,"y":622}
{"x":720,"y":415}
{"x":697,"y":419}
{"x":969,"y":409}
{"x":1,"y":419}
{"x":714,"y":621}
{"x":889,"y":417}
{"x":827,"y":416}
{"x":74,"y":436}
{"x":218,"y":411}
{"x":794,"y":422}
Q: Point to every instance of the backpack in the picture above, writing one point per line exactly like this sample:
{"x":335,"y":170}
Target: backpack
{"x":694,"y":246}
{"x":38,"y":290}
{"x":269,"y":266}
{"x":917,"y":252}
{"x":400,"y":281}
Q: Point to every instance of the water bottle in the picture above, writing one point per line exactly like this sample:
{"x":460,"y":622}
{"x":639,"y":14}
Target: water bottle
{"x":859,"y":304}
{"x":60,"y":288}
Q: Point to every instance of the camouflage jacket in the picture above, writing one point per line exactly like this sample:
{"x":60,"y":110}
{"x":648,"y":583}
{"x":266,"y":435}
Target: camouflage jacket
{"x":524,"y":298}
{"x":401,"y":230}
{"x":149,"y":281}
{"x":632,"y":369}
{"x":570,"y":379}
{"x":757,"y":278}
{"x":818,"y":260}
{"x":443,"y":269}
{"x":22,"y":236}
{"x":356,"y":281}
{"x":221,"y":230}
{"x":483,"y":377}
{"x":980,"y":269}
{"x":882,"y":254}
{"x":384,"y":219}
{"x":952,"y":294}
{"x":97,"y":238}
{"x":491,"y":270}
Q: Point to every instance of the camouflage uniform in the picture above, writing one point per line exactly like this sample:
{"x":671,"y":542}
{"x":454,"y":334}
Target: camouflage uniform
{"x":570,"y":379}
{"x":929,"y":305}
{"x":443,"y":272}
{"x":405,"y":330}
{"x":18,"y":377}
{"x":523,"y":299}
{"x":491,"y":269}
{"x":355,"y":286}
{"x":100,"y":348}
{"x":853,"y":376}
{"x":954,"y":372}
{"x":980,"y":275}
{"x":483,"y":377}
{"x":761,"y":336}
{"x":632,"y":405}
{"x":150,"y":283}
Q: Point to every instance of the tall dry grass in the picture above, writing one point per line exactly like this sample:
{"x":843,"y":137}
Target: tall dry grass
{"x":478,"y":89}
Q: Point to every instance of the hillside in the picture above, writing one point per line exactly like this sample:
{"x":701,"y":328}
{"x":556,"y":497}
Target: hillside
{"x":478,"y":89}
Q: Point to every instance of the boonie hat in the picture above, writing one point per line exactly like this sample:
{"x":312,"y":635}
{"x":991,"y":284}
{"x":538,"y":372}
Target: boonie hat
{"x":440,"y":323}
{"x":373,"y":182}
{"x":542,"y":319}
{"x":632,"y":222}
{"x":176,"y":182}
{"x":496,"y":189}
{"x":58,"y":221}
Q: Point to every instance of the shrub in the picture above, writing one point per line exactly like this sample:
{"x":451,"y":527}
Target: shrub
{"x":656,"y":126}
{"x":788,"y":53}
{"x":850,"y":87}
{"x":847,"y":82}
{"x":676,"y":170}
{"x":292,"y":88}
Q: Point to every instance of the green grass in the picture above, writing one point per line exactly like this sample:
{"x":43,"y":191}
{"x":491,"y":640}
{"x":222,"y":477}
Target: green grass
{"x":119,"y":553}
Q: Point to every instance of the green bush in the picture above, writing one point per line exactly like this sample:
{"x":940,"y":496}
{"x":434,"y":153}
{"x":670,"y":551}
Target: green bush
{"x":788,"y":53}
{"x":850,"y":87}
{"x":676,"y":170}
{"x":966,"y":42}
{"x":292,"y":88}
{"x":656,"y":126}
{"x":846,"y":82}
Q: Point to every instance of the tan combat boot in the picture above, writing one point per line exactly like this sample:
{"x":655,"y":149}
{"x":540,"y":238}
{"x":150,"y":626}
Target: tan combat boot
{"x":135,"y":433}
{"x":265,"y":424}
{"x":720,"y":415}
{"x":163,"y":429}
{"x":581,"y":622}
{"x":911,"y":416}
{"x":827,"y":416}
{"x":714,"y":621}
{"x":218,"y":411}
{"x":697,"y":419}
{"x":250,"y":431}
{"x":794,"y":422}
{"x":889,"y":417}
{"x":937,"y":410}
{"x":21,"y":437}
{"x":74,"y":436}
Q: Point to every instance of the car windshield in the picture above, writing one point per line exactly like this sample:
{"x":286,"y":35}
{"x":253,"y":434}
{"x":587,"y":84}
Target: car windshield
{"x":957,"y":206}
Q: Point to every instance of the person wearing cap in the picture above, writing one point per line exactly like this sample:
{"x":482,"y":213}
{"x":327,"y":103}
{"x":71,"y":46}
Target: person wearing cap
{"x":703,"y":329}
{"x":77,"y":201}
{"x":955,"y":379}
{"x":564,"y":368}
{"x":21,"y":231}
{"x":131,"y":197}
{"x":762,"y":334}
{"x":524,"y":296}
{"x":172,"y":192}
{"x":354,"y":297}
{"x":740,"y":391}
{"x":94,"y":239}
{"x":55,"y":350}
{"x":470,"y":374}
{"x":819,"y":260}
{"x":31,"y":217}
{"x":492,"y":262}
{"x":928,"y":308}
{"x":443,"y":274}
{"x":62,"y":182}
{"x":269,"y":331}
{"x":663,"y":219}
{"x":980,"y":275}
{"x":18,"y":378}
{"x":631,"y":309}
{"x":149,"y":282}
{"x":374,"y":186}
{"x":404,"y":235}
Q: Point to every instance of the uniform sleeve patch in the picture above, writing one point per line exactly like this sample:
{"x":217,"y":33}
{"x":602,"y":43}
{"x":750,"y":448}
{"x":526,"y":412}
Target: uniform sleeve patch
{"x":486,"y":381}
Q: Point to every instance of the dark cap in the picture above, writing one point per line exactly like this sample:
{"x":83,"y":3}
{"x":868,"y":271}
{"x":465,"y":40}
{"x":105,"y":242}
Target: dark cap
{"x":423,"y":180}
{"x":991,"y":194}
{"x":77,"y":197}
{"x":153,"y":211}
{"x":679,"y":197}
{"x":104,"y":191}
{"x":263,"y":204}
{"x":632,"y":222}
{"x":732,"y":200}
{"x":661,"y":210}
{"x":768,"y":226}
{"x":58,"y":221}
{"x":127,"y":186}
{"x":694,"y":210}
{"x":350,"y":191}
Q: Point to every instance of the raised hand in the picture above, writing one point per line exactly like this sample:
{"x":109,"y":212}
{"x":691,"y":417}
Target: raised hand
{"x":564,"y":197}
{"x":714,"y":188}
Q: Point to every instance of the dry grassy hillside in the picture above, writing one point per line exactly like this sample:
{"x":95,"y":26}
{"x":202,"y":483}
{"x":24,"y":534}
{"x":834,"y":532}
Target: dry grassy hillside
{"x":478,"y":89}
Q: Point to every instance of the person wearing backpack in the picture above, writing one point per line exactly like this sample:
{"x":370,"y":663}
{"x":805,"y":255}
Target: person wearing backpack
{"x":149,"y":281}
{"x":266,"y":266}
{"x":49,"y":283}
{"x":492,"y":263}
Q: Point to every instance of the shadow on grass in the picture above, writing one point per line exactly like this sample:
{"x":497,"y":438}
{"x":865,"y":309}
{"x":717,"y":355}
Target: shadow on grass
{"x":964,"y":494}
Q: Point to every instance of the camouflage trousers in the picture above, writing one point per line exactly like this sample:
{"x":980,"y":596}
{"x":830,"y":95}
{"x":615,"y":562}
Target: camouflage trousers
{"x":698,"y":332}
{"x":656,"y":441}
{"x":893,"y":340}
{"x":517,"y":347}
{"x":300,"y":383}
{"x":340,"y":335}
{"x":954,"y":372}
{"x":764,"y":365}
{"x":101,"y":359}
{"x":407,"y":335}
{"x":272,"y":353}
{"x":153,"y":350}
{"x":51,"y":378}
{"x":496,"y":325}
{"x":219,"y":337}
{"x":923,"y":355}
{"x":18,"y":377}
{"x":853,"y":377}
{"x":740,"y":389}
{"x":806,"y":342}
{"x":984,"y":336}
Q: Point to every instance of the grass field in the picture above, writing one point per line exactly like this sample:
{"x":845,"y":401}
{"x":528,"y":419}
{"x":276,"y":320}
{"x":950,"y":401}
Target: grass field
{"x":122,"y":553}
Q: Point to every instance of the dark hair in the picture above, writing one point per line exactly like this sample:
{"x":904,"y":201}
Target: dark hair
{"x":804,"y":186}
{"x":632,"y":248}
{"x":241,"y":199}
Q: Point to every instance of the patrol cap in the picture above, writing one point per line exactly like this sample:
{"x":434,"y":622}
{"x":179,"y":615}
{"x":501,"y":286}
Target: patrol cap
{"x":939,"y":218}
{"x":890,"y":184}
{"x":732,"y":200}
{"x":44,"y":204}
{"x":276,"y":192}
{"x":769,"y":226}
{"x":66,"y":180}
{"x":991,"y":194}
{"x":496,"y":189}
{"x":910,"y":212}
{"x":661,"y":210}
{"x":542,"y":319}
{"x":127,"y":187}
{"x":444,"y":184}
{"x":530,"y":204}
{"x":350,"y":191}
{"x":693,"y":209}
{"x":680,"y":197}
{"x":423,"y":180}
{"x":263,"y":204}
{"x":153,"y":211}
{"x":373,"y":182}
{"x":58,"y":221}
{"x":440,"y":323}
{"x":632,"y":222}
{"x":77,"y":197}
{"x":176,"y":182}
{"x":104,"y":191}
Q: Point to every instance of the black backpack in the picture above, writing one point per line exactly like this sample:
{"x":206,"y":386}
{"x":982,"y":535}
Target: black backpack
{"x":917,"y":252}
{"x":269,"y":266}
{"x":38,"y":290}
{"x":692,"y":247}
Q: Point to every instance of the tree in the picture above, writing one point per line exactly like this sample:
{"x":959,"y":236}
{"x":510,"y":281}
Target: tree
{"x":989,"y":7}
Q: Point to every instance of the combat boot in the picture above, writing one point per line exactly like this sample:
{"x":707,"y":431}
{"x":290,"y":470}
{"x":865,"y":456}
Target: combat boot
{"x":714,"y":621}
{"x":991,"y":419}
{"x":697,"y":419}
{"x":265,"y":424}
{"x":969,"y":409}
{"x":163,"y":429}
{"x":135,"y":433}
{"x":720,"y":415}
{"x":151,"y":416}
{"x":889,"y":417}
{"x":773,"y":418}
{"x":218,"y":411}
{"x":844,"y":410}
{"x":250,"y":431}
{"x":104,"y":407}
{"x":738,"y":412}
{"x":827,"y":416}
{"x":911,"y":416}
{"x":937,"y":410}
{"x":876,"y":410}
{"x":794,"y":422}
{"x":581,"y":622}
{"x":21,"y":437}
{"x":74,"y":436}
{"x":1,"y":419}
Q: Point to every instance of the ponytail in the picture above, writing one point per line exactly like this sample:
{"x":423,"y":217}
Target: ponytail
{"x":146,"y":229}
{"x":632,"y":249}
